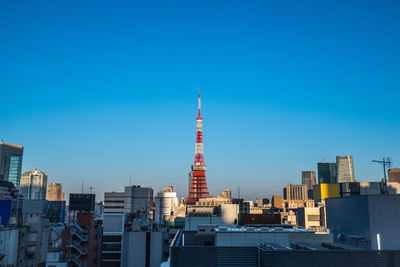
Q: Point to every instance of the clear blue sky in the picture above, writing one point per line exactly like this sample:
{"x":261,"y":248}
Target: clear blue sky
{"x":97,"y":90}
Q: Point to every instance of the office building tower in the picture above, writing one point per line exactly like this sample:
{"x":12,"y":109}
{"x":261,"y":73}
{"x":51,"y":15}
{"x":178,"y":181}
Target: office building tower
{"x":55,"y":193}
{"x":295,"y":192}
{"x":327,"y":173}
{"x":11,"y":163}
{"x":394,"y":175}
{"x":134,"y":198}
{"x":34,"y":184}
{"x":345,"y":169}
{"x":308,"y":179}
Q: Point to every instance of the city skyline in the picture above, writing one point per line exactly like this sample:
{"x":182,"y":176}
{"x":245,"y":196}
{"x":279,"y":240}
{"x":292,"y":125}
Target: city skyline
{"x":103,"y":101}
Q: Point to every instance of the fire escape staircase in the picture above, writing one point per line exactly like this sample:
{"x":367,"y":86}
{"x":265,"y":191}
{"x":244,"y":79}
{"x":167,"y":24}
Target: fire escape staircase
{"x":82,"y":236}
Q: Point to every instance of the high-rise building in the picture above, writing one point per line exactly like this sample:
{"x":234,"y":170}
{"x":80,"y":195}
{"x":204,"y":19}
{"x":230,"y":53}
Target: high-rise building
{"x":308,"y":179}
{"x":394,"y":175}
{"x":345,"y":169}
{"x":55,"y":193}
{"x":198,"y":187}
{"x":11,"y":163}
{"x":34,"y":184}
{"x":327,"y":173}
{"x":134,"y":198}
{"x":295,"y":192}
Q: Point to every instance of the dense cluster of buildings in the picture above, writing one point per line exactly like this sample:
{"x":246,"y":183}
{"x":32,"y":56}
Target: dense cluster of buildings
{"x":329,"y":219}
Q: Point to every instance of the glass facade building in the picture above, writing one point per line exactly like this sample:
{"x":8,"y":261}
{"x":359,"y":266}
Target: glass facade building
{"x":327,"y":173}
{"x":14,"y":173}
{"x":11,"y":163}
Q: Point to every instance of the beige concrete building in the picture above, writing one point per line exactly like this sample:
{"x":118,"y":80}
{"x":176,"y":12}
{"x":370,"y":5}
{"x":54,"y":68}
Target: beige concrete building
{"x":55,"y":193}
{"x":308,"y":179}
{"x":34,"y":184}
{"x":295,"y":192}
{"x":223,"y":198}
{"x":394,"y":175}
{"x":376,"y":188}
{"x":345,"y":169}
{"x":309,"y":218}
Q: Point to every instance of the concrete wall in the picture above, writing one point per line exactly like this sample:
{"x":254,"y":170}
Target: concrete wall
{"x":134,"y":248}
{"x":348,"y":215}
{"x":384,"y":217}
{"x":366,"y":216}
{"x":9,"y":246}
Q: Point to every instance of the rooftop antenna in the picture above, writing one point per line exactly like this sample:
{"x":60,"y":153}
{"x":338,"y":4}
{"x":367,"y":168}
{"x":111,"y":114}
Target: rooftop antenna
{"x":386,"y":163}
{"x":82,"y":186}
{"x":91,"y":188}
{"x":130,"y":179}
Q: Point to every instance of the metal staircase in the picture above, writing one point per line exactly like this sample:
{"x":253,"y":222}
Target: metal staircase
{"x":75,"y":244}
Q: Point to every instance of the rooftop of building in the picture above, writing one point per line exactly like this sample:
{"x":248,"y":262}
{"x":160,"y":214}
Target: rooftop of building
{"x":263,"y":229}
{"x":6,"y":184}
{"x":12,"y":145}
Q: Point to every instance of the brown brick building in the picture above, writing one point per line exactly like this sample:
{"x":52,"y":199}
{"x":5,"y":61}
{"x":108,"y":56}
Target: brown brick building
{"x":394,"y":175}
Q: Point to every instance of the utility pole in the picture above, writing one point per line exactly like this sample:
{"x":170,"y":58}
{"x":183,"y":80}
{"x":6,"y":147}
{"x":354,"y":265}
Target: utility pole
{"x":386,"y":163}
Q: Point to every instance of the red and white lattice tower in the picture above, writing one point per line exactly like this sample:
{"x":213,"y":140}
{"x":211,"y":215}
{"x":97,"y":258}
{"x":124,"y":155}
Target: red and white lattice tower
{"x":197,"y":177}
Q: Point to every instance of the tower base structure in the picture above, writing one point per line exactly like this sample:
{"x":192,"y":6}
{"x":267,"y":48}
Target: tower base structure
{"x":198,"y":186}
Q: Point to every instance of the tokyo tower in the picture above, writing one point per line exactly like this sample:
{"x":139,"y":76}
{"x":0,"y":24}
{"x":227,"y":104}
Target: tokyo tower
{"x":197,"y":177}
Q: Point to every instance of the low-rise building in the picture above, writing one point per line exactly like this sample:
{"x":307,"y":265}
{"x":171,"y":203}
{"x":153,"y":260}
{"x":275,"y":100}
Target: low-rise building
{"x":310,"y":218}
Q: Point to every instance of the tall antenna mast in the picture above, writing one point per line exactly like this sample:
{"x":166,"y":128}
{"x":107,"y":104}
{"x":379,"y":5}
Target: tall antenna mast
{"x":198,"y":187}
{"x":91,"y":188}
{"x":199,"y":104}
{"x":386,"y":163}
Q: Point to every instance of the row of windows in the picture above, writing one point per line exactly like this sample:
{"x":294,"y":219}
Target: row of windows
{"x":111,"y":247}
{"x":111,"y":256}
{"x":111,"y":238}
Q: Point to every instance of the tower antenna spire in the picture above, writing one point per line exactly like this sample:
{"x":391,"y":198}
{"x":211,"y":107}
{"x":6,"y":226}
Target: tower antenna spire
{"x":199,"y":104}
